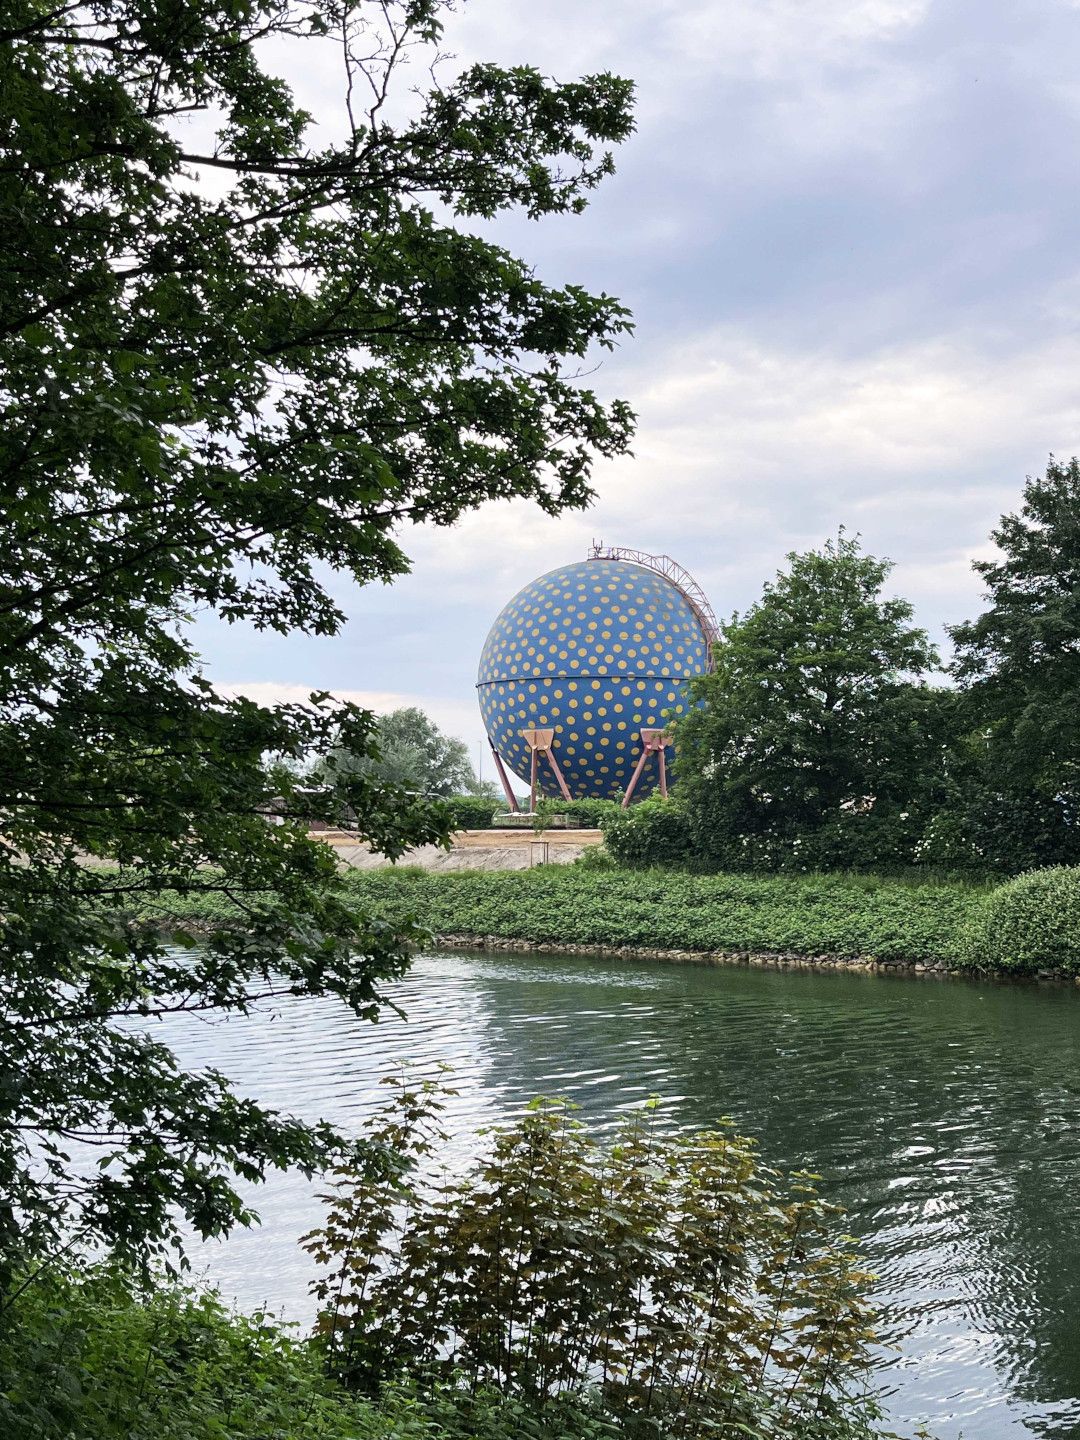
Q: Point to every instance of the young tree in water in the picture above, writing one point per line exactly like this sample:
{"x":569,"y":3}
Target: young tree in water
{"x":235,"y":355}
{"x":810,"y":715}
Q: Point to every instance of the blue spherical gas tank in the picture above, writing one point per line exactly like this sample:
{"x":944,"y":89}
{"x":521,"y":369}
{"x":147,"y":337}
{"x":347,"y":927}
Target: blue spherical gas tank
{"x":596,"y":651}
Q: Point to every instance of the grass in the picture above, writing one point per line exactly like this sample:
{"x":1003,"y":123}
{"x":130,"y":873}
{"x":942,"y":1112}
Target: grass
{"x":902,"y":919}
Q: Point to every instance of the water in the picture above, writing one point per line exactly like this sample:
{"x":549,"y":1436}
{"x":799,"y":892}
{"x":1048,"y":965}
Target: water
{"x":944,"y":1115}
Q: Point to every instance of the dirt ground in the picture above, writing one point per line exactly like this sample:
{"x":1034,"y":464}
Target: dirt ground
{"x":474,"y":850}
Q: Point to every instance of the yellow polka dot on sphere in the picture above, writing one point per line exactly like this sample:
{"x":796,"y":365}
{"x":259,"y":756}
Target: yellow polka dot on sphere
{"x":568,"y":617}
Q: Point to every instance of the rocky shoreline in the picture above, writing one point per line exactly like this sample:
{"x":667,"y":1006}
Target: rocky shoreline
{"x":748,"y":959}
{"x":751,"y":959}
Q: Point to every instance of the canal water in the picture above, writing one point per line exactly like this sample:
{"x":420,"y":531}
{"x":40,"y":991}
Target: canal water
{"x":944,"y":1115}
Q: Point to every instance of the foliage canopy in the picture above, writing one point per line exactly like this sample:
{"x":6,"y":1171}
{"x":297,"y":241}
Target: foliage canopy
{"x":810,"y":716}
{"x":410,"y":752}
{"x":1018,"y":666}
{"x":698,"y":1292}
{"x":235,"y":355}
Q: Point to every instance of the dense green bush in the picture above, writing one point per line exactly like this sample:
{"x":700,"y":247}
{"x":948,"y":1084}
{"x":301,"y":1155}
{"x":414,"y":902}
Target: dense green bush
{"x":598,"y":904}
{"x":97,"y":1357}
{"x":594,"y":857}
{"x":1030,"y":924}
{"x":697,"y":1293}
{"x":877,"y":840}
{"x":981,"y":831}
{"x":91,"y":1357}
{"x":473,"y":812}
{"x":987,"y":828}
{"x":807,"y":915}
{"x":656,"y":832}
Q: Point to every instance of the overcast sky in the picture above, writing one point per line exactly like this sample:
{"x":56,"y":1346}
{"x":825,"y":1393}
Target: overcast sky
{"x":849,"y":231}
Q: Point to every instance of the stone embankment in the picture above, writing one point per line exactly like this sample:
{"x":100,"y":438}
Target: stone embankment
{"x":759,"y":960}
{"x":474,"y":850}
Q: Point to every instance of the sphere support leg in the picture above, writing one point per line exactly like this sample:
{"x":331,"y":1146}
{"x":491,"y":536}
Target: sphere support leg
{"x":508,"y":791}
{"x":653,"y":742}
{"x":541,"y":743}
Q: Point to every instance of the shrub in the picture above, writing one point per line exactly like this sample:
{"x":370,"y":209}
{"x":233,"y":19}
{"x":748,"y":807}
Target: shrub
{"x":695,"y":1291}
{"x":808,"y":915}
{"x":1030,"y":924}
{"x":97,"y":1356}
{"x":92,"y":1356}
{"x":473,"y":812}
{"x":843,"y":915}
{"x":656,"y":832}
{"x":991,"y":830}
{"x":594,"y":857}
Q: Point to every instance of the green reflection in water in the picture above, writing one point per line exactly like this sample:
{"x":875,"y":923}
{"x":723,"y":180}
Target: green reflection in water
{"x":944,"y":1115}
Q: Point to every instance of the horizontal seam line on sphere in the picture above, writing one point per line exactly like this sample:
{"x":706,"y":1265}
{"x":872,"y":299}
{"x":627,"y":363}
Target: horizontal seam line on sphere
{"x":617,"y":679}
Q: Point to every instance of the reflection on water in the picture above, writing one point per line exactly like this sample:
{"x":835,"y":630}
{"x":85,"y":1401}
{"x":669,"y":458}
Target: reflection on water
{"x":944,"y":1116}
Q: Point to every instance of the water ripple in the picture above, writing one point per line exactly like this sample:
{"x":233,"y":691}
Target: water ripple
{"x":943,"y":1117}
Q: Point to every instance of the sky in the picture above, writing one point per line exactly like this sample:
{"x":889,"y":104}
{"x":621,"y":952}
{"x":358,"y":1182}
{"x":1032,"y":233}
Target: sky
{"x":849,"y":234}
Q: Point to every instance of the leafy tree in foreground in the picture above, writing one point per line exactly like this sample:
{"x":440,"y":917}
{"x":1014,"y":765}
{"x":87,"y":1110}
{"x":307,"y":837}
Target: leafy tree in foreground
{"x":1019,"y":667}
{"x":809,"y":720}
{"x":695,"y":1292}
{"x":412,"y":753}
{"x":233,"y":356}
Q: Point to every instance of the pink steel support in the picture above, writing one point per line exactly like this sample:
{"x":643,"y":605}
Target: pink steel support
{"x":653,"y":742}
{"x":635,"y":778}
{"x":542,"y":743}
{"x":511,"y":798}
{"x":558,"y":773}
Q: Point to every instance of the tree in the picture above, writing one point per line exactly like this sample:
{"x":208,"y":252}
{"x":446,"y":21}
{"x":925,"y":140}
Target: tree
{"x":234,"y":357}
{"x":1019,"y":662}
{"x":809,"y":718}
{"x":413,"y":753}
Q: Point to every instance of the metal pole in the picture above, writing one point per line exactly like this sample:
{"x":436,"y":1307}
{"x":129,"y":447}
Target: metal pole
{"x":635,"y":777}
{"x":663,"y":774}
{"x":508,"y":791}
{"x":558,"y":773}
{"x":532,"y":784}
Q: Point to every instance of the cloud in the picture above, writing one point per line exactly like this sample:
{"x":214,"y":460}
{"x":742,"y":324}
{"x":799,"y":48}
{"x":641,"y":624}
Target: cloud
{"x":847,"y":232}
{"x":746,"y":451}
{"x":452,"y":715}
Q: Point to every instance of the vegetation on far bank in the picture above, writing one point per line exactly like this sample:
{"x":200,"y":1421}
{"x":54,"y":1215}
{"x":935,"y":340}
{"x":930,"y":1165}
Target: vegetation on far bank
{"x":1030,"y":924}
{"x":817,"y":915}
{"x":826,"y":915}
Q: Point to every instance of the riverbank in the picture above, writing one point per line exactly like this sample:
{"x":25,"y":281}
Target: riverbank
{"x":753,"y":959}
{"x":827,"y":921}
{"x":821,"y":922}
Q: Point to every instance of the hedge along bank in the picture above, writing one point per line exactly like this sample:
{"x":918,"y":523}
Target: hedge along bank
{"x":826,"y":920}
{"x":1029,"y":926}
